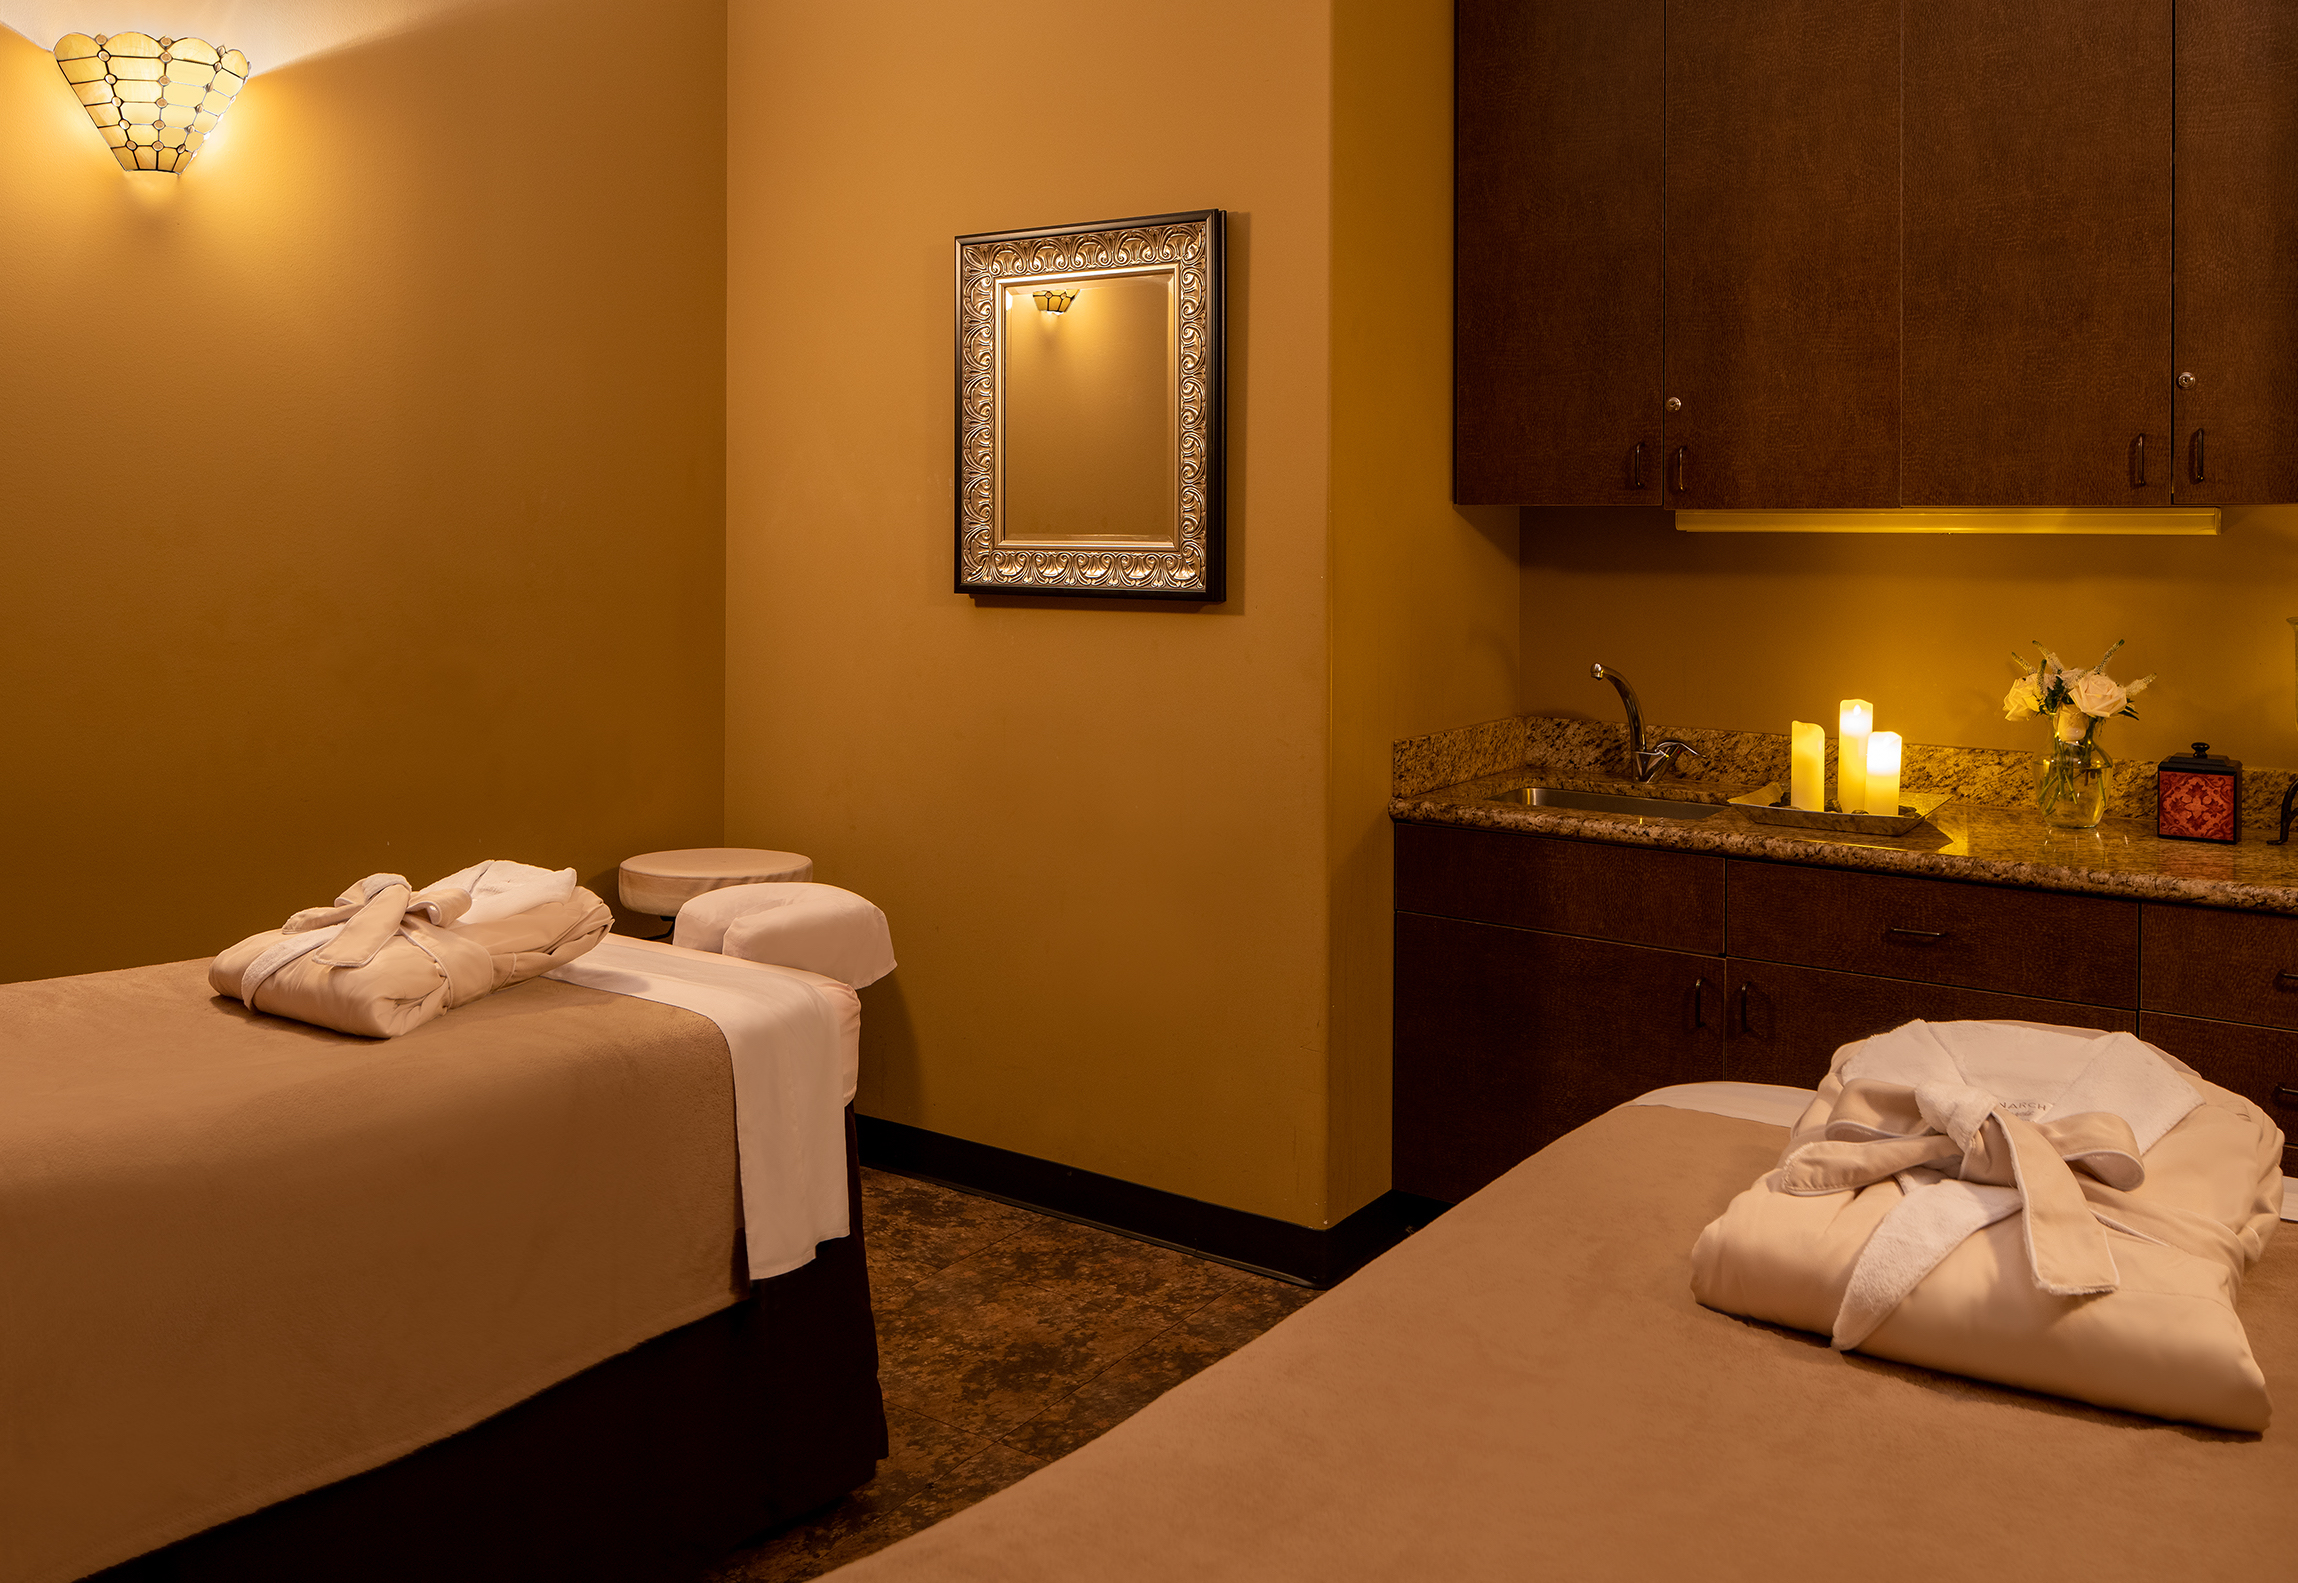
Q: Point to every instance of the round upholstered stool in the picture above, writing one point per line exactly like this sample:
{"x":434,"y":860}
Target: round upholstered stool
{"x":663,"y":882}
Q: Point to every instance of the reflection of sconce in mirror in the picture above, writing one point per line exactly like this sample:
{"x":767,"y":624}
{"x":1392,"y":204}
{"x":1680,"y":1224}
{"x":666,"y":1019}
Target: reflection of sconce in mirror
{"x":1053,"y":301}
{"x":155,"y":100}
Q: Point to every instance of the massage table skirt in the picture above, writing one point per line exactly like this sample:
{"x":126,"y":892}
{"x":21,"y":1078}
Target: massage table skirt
{"x":1526,"y":1388}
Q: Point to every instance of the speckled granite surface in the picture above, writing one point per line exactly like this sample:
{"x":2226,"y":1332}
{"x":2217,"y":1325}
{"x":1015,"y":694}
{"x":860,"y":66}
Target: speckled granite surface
{"x":1989,"y":832}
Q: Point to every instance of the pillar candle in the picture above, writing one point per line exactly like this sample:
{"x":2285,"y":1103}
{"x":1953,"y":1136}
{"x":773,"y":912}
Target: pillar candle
{"x":1807,"y":783}
{"x":1883,"y":772}
{"x":1851,"y":755}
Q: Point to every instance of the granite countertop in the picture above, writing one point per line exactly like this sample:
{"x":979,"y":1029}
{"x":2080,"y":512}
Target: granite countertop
{"x":1965,"y":840}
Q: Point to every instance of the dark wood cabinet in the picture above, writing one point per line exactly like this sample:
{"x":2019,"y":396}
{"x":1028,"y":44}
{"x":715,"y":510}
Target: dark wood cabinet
{"x":2237,"y":296}
{"x":2232,"y":966}
{"x":1541,"y":981}
{"x":1513,"y":1037}
{"x":2038,"y":190}
{"x":1781,"y":336}
{"x":2221,"y":994}
{"x":1954,"y":256}
{"x":1556,"y":316}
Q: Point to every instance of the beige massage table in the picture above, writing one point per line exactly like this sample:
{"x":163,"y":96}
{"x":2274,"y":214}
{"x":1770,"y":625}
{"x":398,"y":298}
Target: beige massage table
{"x":471,"y":1302}
{"x":1526,"y":1389}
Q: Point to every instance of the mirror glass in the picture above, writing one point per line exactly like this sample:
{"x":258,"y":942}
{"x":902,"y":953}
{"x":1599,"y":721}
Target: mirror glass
{"x":1088,"y":415}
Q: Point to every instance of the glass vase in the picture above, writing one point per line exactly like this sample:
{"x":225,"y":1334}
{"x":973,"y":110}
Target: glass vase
{"x":2071,"y":784}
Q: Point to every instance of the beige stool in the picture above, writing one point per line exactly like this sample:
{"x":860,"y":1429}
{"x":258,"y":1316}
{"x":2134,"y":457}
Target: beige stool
{"x":663,"y":882}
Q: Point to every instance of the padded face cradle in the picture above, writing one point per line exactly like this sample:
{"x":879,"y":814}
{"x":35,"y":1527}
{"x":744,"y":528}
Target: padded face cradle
{"x":818,"y":928}
{"x":663,"y":882}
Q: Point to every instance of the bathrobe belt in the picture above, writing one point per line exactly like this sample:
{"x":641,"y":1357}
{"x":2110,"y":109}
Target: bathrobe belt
{"x":369,"y":916}
{"x":1879,"y":1130}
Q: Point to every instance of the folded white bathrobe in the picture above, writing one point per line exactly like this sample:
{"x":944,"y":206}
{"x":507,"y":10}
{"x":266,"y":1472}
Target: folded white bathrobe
{"x":385,"y":959}
{"x":1983,"y":1091}
{"x":2056,"y":1208}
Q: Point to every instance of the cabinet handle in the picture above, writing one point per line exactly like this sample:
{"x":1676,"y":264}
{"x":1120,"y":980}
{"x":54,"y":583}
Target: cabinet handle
{"x":2194,"y":456}
{"x":1699,"y":1002}
{"x":1743,"y":988}
{"x":2284,"y":976}
{"x":2138,"y":463}
{"x":1927,"y":936}
{"x":1636,"y":466}
{"x":1677,"y":463}
{"x":2284,"y":1094}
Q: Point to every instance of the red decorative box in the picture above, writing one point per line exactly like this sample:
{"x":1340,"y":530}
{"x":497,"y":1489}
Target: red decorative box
{"x":2198,"y":797}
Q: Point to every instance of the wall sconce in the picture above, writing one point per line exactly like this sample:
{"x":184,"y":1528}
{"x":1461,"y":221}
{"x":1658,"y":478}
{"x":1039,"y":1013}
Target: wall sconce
{"x":154,"y":99}
{"x":1055,"y":301}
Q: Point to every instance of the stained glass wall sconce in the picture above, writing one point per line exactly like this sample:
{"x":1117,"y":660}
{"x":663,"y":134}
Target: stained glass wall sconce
{"x":155,"y":100}
{"x":1053,"y":301}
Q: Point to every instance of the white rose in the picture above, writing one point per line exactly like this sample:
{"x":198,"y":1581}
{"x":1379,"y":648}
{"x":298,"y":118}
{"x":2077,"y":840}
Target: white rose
{"x":2072,"y":723}
{"x":2097,"y":694}
{"x":2024,"y":699}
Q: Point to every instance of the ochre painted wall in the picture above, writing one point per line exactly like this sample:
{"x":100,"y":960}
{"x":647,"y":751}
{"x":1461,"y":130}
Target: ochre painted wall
{"x":1424,"y":594}
{"x":1099,"y":831}
{"x":361,"y":491}
{"x":1750,"y":631}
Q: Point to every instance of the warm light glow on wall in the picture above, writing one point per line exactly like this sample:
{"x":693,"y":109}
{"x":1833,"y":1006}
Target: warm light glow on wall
{"x":155,"y":100}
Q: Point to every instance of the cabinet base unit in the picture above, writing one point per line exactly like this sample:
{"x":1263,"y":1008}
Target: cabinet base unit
{"x":1541,"y":980}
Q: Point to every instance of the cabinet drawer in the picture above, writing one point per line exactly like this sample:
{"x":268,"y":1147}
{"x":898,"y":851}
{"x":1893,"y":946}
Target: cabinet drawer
{"x":1636,"y":895}
{"x":2015,"y":942}
{"x":2233,"y":966}
{"x":2260,"y":1064}
{"x":1784,"y":1024}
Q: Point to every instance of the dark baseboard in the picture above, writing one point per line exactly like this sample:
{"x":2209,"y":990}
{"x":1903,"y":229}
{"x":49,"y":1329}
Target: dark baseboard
{"x":1252,"y":1242}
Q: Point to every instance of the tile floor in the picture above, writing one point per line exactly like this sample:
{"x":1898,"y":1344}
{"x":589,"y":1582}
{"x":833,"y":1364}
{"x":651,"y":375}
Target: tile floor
{"x":1006,"y":1339}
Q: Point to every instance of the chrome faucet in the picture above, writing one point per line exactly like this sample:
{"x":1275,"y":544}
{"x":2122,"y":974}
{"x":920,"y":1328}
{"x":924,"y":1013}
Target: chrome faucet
{"x":1644,"y":762}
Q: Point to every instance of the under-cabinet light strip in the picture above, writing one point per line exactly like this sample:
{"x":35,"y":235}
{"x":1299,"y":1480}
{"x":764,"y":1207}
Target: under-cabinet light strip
{"x":2023,"y":519}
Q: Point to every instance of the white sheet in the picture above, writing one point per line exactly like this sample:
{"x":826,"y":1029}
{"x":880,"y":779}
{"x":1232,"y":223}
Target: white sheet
{"x":795,"y":1042}
{"x":1783,"y":1107}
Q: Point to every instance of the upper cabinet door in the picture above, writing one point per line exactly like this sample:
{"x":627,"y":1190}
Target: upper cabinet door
{"x":1556,"y":317}
{"x":2038,"y":172}
{"x":1782,"y":323}
{"x":2237,"y":382}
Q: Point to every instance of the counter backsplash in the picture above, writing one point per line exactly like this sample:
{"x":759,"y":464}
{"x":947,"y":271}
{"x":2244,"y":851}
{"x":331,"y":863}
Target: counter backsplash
{"x":1737,"y":760}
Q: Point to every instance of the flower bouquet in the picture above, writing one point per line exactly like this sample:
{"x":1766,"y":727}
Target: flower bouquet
{"x":2071,"y":781}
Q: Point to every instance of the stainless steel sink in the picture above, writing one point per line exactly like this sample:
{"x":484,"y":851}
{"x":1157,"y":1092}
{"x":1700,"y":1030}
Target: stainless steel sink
{"x":1605,"y":802}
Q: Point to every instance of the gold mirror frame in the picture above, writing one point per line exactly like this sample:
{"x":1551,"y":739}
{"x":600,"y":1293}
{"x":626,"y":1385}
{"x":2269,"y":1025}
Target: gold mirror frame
{"x":1190,"y":563}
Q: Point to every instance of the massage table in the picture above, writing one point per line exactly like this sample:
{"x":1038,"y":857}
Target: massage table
{"x":475,"y":1302}
{"x":1526,"y":1389}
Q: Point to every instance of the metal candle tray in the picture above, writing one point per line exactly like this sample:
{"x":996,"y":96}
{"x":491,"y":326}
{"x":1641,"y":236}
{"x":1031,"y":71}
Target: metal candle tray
{"x":1914,"y":809}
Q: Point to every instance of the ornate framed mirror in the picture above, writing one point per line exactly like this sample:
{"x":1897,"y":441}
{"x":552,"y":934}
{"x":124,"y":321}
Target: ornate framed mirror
{"x":1089,"y":396}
